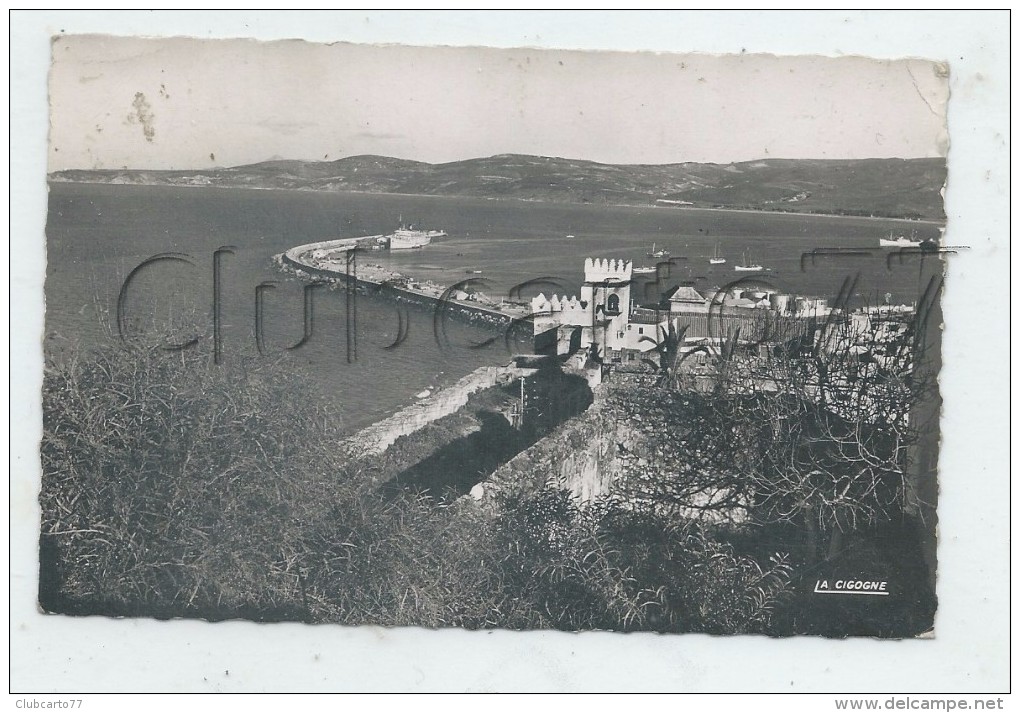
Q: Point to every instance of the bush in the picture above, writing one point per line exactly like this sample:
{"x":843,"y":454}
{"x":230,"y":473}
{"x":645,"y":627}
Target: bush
{"x":175,"y":487}
{"x":171,"y":485}
{"x":613,"y":567}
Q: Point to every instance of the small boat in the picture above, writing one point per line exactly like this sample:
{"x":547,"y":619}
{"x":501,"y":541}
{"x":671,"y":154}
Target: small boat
{"x":658,"y":253}
{"x":644,"y":270}
{"x":716,"y":258}
{"x":570,"y":237}
{"x":748,"y":266}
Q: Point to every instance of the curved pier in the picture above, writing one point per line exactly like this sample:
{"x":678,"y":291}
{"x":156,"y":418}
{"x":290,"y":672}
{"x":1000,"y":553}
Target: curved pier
{"x":339,"y":261}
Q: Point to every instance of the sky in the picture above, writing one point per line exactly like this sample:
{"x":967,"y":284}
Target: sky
{"x":189,"y":103}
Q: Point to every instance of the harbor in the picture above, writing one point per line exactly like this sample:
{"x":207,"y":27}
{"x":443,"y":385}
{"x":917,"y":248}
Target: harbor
{"x":495,"y":244}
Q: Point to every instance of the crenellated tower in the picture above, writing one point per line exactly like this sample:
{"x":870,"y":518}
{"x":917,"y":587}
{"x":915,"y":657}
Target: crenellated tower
{"x":598,"y":320}
{"x":606,"y":292}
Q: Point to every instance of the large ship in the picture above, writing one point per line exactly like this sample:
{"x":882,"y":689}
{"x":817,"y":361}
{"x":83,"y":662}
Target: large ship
{"x":410,"y":238}
{"x":900,"y":241}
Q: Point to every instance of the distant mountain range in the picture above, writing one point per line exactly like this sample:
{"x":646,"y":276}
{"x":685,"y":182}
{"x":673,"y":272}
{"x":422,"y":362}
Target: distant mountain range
{"x":897,"y":188}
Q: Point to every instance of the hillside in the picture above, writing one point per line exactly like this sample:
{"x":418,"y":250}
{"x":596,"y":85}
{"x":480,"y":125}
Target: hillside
{"x":903,"y":188}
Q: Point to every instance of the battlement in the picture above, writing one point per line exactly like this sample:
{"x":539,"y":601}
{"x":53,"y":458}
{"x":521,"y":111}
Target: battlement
{"x":603,"y":270}
{"x":556,"y":304}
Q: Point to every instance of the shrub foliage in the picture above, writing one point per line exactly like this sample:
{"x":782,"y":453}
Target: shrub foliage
{"x":176,"y":487}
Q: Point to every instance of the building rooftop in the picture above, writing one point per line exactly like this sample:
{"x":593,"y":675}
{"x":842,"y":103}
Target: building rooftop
{"x":684,"y":293}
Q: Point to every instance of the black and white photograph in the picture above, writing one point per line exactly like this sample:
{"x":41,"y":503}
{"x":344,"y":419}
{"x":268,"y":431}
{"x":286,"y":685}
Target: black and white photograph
{"x":499,"y":339}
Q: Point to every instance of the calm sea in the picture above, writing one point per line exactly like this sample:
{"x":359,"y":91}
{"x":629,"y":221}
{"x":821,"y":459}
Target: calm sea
{"x":97,"y":234}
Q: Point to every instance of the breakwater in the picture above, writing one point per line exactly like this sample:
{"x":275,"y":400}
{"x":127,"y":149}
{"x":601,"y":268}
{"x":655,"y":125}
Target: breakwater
{"x":342,"y":262}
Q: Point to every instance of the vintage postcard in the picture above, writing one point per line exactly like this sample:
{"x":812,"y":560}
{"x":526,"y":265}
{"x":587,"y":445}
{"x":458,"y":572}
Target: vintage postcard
{"x":493,"y":339}
{"x":416,"y":356}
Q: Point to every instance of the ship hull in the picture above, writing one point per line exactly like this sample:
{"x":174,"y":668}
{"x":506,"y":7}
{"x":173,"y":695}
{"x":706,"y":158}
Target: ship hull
{"x":409,"y":243}
{"x":898,"y":243}
{"x":405,"y":239}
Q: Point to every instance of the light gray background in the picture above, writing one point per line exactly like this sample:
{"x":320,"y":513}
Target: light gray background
{"x":236,"y":102}
{"x":970,"y":652}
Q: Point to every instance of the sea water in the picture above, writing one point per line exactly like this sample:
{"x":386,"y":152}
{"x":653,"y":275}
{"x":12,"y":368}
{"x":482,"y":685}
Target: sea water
{"x":371,"y":357}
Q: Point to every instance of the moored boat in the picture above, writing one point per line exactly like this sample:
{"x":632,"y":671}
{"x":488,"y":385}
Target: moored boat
{"x":900,"y":241}
{"x":748,"y":266}
{"x":658,"y":253}
{"x":410,"y":238}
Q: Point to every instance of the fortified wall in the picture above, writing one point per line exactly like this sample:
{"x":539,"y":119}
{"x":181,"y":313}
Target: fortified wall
{"x":605,"y":452}
{"x":579,"y":457}
{"x":376,"y":438}
{"x":555,"y":311}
